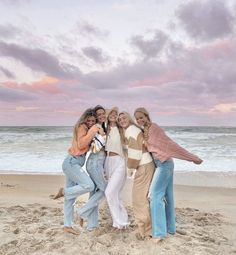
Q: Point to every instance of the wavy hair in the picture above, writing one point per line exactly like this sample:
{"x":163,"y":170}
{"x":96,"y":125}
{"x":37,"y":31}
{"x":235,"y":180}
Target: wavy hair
{"x":131,"y":122}
{"x":99,"y":107}
{"x":144,"y":111}
{"x":87,"y":113}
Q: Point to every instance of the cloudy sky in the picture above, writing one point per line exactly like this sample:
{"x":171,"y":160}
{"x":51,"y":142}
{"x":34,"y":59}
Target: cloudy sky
{"x":175,"y":57}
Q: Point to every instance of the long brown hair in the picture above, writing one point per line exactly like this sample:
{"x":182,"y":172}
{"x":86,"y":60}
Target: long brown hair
{"x":99,"y":107}
{"x":87,"y":113}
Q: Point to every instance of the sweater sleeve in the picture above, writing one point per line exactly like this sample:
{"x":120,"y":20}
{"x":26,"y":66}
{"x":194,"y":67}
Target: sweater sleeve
{"x":164,"y":147}
{"x":84,"y":136}
{"x":176,"y":151}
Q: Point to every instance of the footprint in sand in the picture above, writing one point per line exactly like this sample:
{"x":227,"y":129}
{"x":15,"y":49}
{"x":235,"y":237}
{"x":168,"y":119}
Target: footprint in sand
{"x":16,"y":231}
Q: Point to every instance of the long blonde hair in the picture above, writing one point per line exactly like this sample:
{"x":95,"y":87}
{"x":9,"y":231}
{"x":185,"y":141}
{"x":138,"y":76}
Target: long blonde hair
{"x":131,"y":122}
{"x":113,"y":109}
{"x":144,"y":111}
{"x":87,"y":113}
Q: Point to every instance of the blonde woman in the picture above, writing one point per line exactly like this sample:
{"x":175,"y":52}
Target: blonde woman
{"x":138,"y":158}
{"x":163,"y":150}
{"x":77,"y":181}
{"x":115,"y":170}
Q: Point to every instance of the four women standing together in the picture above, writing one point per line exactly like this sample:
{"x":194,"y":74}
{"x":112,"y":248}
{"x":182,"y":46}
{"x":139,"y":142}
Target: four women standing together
{"x":114,"y":147}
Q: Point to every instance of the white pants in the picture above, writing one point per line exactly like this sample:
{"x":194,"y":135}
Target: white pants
{"x":116,"y":174}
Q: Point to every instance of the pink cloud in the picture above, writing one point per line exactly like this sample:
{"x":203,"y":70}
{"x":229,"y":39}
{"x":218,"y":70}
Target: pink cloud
{"x":219,"y":49}
{"x":169,"y":76}
{"x":47,"y":84}
{"x":26,"y":109}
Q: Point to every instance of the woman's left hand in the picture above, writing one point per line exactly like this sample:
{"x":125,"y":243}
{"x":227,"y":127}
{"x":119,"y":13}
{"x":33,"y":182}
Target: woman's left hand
{"x":198,"y":161}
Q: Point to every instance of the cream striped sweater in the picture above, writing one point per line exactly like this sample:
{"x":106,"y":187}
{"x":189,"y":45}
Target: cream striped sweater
{"x":137,"y":153}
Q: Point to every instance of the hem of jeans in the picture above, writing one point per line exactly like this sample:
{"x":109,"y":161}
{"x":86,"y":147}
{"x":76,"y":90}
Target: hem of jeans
{"x":159,"y":236}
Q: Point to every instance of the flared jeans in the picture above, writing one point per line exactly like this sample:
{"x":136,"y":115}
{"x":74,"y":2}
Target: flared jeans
{"x":162,"y":200}
{"x":95,"y":168}
{"x":77,"y":183}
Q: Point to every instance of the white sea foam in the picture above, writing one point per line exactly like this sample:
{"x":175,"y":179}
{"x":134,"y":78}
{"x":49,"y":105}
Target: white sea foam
{"x":43,"y":149}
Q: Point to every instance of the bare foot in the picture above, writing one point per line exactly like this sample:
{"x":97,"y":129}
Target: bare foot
{"x":156,"y":240}
{"x":115,"y":230}
{"x":78,"y":219}
{"x":71,"y":230}
{"x":139,"y":237}
{"x":59,"y":194}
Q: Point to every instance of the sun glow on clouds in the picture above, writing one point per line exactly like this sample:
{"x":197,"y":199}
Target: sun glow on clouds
{"x":26,"y":109}
{"x":111,"y":51}
{"x":169,"y":76}
{"x":46,"y":84}
{"x":224,"y":108}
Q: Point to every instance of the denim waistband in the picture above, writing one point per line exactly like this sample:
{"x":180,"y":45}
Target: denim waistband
{"x":158,"y":162}
{"x":101,"y":153}
{"x":79,"y":159}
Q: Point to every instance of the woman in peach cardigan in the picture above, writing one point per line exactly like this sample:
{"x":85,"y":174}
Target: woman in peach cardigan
{"x":163,"y":149}
{"x":77,"y":180}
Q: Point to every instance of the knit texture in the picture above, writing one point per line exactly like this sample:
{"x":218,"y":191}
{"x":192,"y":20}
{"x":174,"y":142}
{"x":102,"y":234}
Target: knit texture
{"x":137,"y":153}
{"x":163,"y":148}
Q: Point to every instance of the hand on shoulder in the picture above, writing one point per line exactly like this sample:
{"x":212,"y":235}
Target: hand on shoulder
{"x":94,"y":128}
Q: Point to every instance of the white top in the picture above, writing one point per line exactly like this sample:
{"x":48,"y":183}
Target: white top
{"x":113,"y":143}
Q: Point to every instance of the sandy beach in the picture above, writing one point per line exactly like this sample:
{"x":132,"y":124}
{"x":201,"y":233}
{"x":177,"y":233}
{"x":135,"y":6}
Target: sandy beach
{"x":31,"y":222}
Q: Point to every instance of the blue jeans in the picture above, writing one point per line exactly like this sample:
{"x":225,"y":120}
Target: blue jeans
{"x":162,"y":200}
{"x":95,"y":168}
{"x":77,"y":183}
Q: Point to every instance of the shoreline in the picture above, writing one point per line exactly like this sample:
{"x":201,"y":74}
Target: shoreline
{"x":185,"y":178}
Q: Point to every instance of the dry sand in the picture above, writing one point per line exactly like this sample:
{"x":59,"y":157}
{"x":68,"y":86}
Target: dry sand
{"x":31,"y":223}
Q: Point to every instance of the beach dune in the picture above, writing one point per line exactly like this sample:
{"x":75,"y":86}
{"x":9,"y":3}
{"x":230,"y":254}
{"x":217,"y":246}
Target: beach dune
{"x":31,"y":222}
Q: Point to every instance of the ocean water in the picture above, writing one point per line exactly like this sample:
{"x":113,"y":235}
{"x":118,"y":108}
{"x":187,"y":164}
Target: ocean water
{"x":43,"y":149}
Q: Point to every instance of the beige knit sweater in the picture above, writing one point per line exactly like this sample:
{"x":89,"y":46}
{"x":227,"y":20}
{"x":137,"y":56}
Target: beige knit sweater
{"x":137,"y":153}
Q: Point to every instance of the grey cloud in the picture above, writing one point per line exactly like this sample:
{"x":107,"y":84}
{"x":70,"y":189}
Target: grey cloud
{"x":152,"y":47}
{"x":7,"y":73}
{"x":206,"y":20}
{"x":208,"y":79}
{"x":12,"y":95}
{"x":201,"y":81}
{"x":121,"y":76}
{"x":96,"y":54}
{"x":88,"y":29}
{"x":9,"y":31}
{"x":38,"y":60}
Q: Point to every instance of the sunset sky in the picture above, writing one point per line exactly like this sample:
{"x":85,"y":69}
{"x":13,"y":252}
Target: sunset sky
{"x":176,"y":58}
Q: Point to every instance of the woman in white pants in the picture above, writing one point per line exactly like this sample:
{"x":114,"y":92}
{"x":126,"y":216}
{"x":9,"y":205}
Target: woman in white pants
{"x":115,"y":171}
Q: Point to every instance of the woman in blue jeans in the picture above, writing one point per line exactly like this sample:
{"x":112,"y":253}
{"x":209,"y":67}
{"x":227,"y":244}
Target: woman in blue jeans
{"x":95,"y":168}
{"x":163,"y":149}
{"x":77,"y":180}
